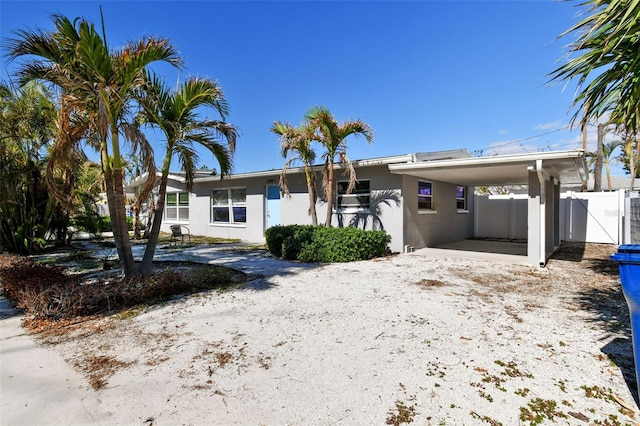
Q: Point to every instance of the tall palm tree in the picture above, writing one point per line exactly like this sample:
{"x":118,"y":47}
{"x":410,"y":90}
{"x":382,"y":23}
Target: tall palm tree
{"x":608,"y":150}
{"x":606,"y":67}
{"x":332,"y":135}
{"x":96,"y":87}
{"x":296,"y":141}
{"x":176,"y":113}
{"x":27,"y":125}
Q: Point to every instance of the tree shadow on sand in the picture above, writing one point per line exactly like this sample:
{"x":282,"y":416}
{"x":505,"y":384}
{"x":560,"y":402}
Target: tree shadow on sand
{"x":611,"y":314}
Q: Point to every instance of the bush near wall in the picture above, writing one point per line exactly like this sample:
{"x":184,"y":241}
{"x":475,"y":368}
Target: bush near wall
{"x":320,"y":244}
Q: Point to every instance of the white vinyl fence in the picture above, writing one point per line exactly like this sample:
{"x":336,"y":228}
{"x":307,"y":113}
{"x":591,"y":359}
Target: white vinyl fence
{"x":591,"y":217}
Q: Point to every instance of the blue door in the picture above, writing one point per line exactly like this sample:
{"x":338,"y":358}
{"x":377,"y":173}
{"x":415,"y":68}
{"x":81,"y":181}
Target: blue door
{"x":273,"y":206}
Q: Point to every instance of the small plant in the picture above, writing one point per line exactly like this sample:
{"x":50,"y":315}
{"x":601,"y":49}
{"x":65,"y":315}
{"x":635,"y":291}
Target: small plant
{"x":481,"y":391}
{"x":523,"y":392}
{"x":511,"y":370}
{"x":597,"y":392}
{"x":401,"y":414}
{"x":223,"y":358}
{"x":485,"y":419}
{"x":129,"y":313}
{"x":538,"y":410}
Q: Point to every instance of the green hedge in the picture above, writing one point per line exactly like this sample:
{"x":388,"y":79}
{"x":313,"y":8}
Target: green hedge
{"x":320,"y":244}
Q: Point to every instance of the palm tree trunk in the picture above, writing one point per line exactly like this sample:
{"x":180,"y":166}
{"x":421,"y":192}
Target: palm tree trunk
{"x":146,"y":267}
{"x":585,"y":183}
{"x":111,"y":204}
{"x":150,"y":215}
{"x":330,"y":196}
{"x":129,"y":266}
{"x":312,"y":196}
{"x":597,"y":168}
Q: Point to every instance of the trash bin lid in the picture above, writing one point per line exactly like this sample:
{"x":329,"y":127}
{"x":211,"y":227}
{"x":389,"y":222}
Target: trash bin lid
{"x":627,"y":254}
{"x":629,"y":248}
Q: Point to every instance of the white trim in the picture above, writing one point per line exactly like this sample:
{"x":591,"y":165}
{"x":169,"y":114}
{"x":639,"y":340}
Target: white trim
{"x":228,"y":224}
{"x":427,"y":211}
{"x":480,"y":161}
{"x":229,"y":206}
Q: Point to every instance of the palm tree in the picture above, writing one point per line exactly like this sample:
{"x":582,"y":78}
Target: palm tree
{"x":27,"y":125}
{"x":608,"y":149}
{"x":332,"y":135}
{"x":176,"y":113}
{"x":97,"y":87}
{"x":297,"y":141}
{"x":607,"y":68}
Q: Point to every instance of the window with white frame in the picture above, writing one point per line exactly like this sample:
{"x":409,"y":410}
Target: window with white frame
{"x":177,"y":206}
{"x":461,"y":198}
{"x":359,"y":198}
{"x":229,"y":205}
{"x":425,"y":194}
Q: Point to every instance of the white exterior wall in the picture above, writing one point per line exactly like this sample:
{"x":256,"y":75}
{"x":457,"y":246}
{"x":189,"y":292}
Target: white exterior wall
{"x":385,"y":188}
{"x":444,"y":224}
{"x":592,"y":217}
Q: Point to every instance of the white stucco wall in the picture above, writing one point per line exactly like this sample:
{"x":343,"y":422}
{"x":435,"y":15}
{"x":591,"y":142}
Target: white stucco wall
{"x":386,"y":212}
{"x":444,"y":223}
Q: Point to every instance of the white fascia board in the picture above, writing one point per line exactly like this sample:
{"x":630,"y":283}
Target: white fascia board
{"x":402,"y":159}
{"x":488,"y":161}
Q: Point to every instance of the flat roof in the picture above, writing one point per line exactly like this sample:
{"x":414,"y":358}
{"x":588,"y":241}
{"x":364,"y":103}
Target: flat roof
{"x":566,"y":166}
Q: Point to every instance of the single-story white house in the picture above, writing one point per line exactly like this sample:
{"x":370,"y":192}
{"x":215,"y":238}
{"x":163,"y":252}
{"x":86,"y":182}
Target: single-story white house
{"x":420,"y":200}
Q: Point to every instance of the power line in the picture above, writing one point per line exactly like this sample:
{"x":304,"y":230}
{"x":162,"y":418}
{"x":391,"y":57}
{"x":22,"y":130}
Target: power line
{"x":519,"y":141}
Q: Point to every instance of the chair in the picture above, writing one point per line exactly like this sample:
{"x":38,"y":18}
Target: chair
{"x":176,"y":231}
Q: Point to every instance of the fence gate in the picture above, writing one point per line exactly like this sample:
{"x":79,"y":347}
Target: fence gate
{"x":632,"y":207}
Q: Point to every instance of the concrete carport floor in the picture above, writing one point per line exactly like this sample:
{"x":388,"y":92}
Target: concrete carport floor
{"x":514,"y":252}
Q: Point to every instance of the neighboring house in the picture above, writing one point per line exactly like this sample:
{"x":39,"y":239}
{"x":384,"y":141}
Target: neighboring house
{"x":420,"y":200}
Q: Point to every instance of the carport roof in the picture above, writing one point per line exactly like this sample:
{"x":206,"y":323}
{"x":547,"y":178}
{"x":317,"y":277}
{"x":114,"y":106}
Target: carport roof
{"x":566,"y":166}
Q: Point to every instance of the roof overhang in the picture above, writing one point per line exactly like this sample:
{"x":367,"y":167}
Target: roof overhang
{"x":565,"y":166}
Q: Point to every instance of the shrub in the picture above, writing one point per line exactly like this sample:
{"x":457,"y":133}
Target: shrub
{"x":320,"y":244}
{"x":345,"y":245}
{"x":32,"y":287}
{"x":295,"y":243}
{"x":48,"y":293}
{"x":287,"y":241}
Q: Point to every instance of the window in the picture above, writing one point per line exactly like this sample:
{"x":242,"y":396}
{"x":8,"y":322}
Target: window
{"x":424,"y":196}
{"x":359,"y":198}
{"x":461,"y":198}
{"x":229,"y":205}
{"x":177,"y":206}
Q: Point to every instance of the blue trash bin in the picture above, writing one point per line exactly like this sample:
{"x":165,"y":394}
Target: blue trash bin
{"x":628,"y":259}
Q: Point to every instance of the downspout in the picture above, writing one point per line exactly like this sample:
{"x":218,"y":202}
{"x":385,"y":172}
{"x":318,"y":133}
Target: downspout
{"x":542,"y":228}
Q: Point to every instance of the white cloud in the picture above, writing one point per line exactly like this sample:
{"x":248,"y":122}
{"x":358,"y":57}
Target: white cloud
{"x":554,"y":125}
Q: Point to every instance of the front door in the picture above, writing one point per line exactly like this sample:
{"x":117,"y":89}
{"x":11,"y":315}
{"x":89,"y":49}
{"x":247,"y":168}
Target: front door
{"x":273,"y":206}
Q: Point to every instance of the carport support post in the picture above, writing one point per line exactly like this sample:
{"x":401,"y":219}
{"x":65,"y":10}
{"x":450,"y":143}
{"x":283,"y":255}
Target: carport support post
{"x":536,"y":233}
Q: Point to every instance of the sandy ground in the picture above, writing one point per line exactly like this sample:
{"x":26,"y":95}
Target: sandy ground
{"x":408,"y":338}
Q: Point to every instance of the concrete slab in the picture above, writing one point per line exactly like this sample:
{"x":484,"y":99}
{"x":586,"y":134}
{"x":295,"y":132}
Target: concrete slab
{"x":486,"y":250}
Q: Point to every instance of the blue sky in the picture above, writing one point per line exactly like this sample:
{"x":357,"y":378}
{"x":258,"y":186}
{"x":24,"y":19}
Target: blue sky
{"x":426,"y":75}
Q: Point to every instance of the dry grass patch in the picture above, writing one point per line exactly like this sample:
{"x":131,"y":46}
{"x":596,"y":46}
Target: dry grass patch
{"x":98,"y":368}
{"x":429,"y":283}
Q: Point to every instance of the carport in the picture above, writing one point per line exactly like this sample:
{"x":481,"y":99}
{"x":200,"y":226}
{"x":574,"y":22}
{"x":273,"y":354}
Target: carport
{"x":542,"y":172}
